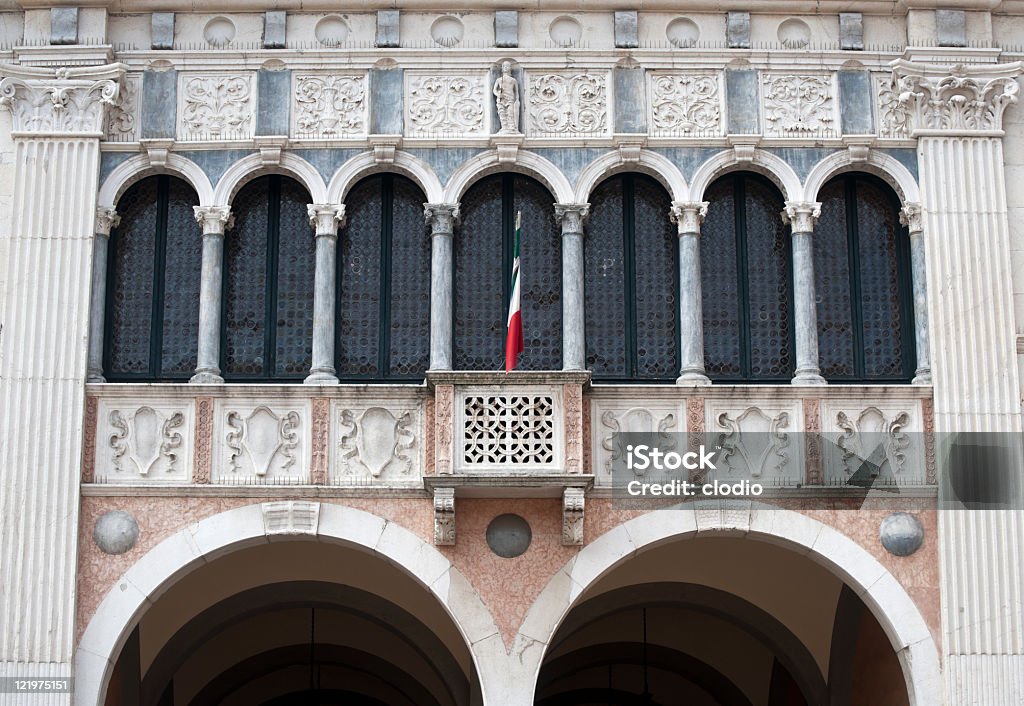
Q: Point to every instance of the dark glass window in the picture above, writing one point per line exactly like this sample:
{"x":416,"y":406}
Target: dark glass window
{"x":155,"y":255}
{"x":631,"y":282}
{"x":746,"y":282}
{"x":483,"y":269}
{"x":269,"y":263}
{"x":862,"y":283}
{"x":383,"y":305}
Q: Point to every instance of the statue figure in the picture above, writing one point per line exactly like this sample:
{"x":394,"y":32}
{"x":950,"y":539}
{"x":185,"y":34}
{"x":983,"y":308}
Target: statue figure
{"x":506,"y":94}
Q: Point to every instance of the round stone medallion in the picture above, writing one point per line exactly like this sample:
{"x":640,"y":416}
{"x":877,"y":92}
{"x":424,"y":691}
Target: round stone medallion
{"x":447,"y":31}
{"x":901,"y":534}
{"x":565,"y":31}
{"x":219,"y":31}
{"x":509,"y":536}
{"x":794,"y":34}
{"x":116,"y":532}
{"x":682,"y":32}
{"x":331,"y":31}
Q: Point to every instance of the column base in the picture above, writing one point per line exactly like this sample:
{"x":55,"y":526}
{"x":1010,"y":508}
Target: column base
{"x":693,"y":378}
{"x":321,"y":377}
{"x":206,"y":377}
{"x":922,"y":376}
{"x":808,"y":378}
{"x":97,"y":376}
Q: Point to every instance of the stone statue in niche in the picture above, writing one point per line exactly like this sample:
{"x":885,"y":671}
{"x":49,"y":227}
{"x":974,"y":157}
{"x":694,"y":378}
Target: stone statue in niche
{"x":506,"y":95}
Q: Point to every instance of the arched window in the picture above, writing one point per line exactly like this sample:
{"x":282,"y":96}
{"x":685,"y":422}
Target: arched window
{"x":152,"y":317}
{"x":862,"y":283}
{"x":384,"y":282}
{"x":483,"y":269}
{"x":631,"y":282}
{"x":746,"y":282}
{"x":269,"y":261}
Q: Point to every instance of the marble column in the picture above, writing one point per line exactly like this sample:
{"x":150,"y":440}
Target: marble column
{"x":571,"y":216}
{"x":688,"y":217}
{"x":912,"y":217}
{"x":52,"y":168}
{"x":801,"y":217}
{"x":106,"y":218}
{"x":214,"y":220}
{"x":441,"y":217}
{"x":326,"y":219}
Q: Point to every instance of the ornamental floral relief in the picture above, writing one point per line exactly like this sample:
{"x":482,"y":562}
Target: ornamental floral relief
{"x":893,"y":117}
{"x":329,"y":106}
{"x":686,"y":104}
{"x":144,"y":442}
{"x":798,"y":106}
{"x":569,"y":103}
{"x":444,"y":105}
{"x":378,"y":442}
{"x":122,"y":115}
{"x":216,"y":107}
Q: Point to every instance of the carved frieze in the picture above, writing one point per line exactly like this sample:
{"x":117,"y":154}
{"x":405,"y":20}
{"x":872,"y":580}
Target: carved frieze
{"x":65,"y":100}
{"x":893,"y":116}
{"x":123,"y":113}
{"x":568,"y":103}
{"x":329,"y":106}
{"x":377,"y":441}
{"x":649,"y":420}
{"x":881,"y":441}
{"x":216,"y":106}
{"x":755,"y":444}
{"x":798,"y":105}
{"x":686,"y":104}
{"x":444,"y":105}
{"x":259,"y":443}
{"x":573,"y":395}
{"x":143,"y":442}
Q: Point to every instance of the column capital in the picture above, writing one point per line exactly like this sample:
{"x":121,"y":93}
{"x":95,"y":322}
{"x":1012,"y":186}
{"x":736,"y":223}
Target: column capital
{"x":106,"y":218}
{"x":326,"y":218}
{"x":214,"y":219}
{"x":912,"y":216}
{"x":62,"y":101}
{"x":688,"y":215}
{"x":801,"y":215}
{"x":571,"y":216}
{"x":441,"y":217}
{"x":957,"y":100}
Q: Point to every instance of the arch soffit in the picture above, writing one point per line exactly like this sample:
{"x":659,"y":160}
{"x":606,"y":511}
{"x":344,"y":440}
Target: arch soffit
{"x":131,"y":596}
{"x":527,"y":163}
{"x":888,"y":601}
{"x":884,"y":166}
{"x":364,"y":165}
{"x":133,"y":170}
{"x":776,"y":169}
{"x":252,"y":166}
{"x":650,"y":163}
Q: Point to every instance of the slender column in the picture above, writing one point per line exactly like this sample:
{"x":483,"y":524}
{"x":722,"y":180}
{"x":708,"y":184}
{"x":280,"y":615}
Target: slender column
{"x":571,"y":216}
{"x":326,"y":219}
{"x":215,"y":220}
{"x":441,"y":217}
{"x":911,"y":216}
{"x":106,"y":218}
{"x":688,"y":217}
{"x":801,"y":218}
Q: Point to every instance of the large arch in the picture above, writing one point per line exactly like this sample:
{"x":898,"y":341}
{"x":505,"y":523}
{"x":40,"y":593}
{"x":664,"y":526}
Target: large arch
{"x":139,"y":167}
{"x":248,"y":168}
{"x":765,"y":163}
{"x":138,"y":589}
{"x":650,"y":163}
{"x":882,"y":165}
{"x":528,"y":163}
{"x":365,"y":164}
{"x":881,"y":592}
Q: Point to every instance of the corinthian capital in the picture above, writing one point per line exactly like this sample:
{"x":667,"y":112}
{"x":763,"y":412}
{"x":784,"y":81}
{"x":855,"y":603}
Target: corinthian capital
{"x":688,"y":216}
{"x":70,"y":101}
{"x":962,"y":100}
{"x":912,"y":217}
{"x":441,"y":217}
{"x":571,"y":216}
{"x":326,"y":218}
{"x":106,"y":218}
{"x":801,"y":215}
{"x":214,"y":219}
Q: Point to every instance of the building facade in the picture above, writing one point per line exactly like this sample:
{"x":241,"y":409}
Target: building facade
{"x":258,"y":443}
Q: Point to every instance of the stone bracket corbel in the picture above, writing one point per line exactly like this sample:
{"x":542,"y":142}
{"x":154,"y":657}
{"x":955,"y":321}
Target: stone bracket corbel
{"x":573,"y":503}
{"x":507,"y":146}
{"x":270,"y":147}
{"x":859,"y":146}
{"x":743,"y":146}
{"x":629,"y":147}
{"x":444,"y":517}
{"x":157,"y":150}
{"x":384,"y":147}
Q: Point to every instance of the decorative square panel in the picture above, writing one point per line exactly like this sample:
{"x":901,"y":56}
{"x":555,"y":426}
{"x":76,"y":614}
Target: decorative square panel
{"x":261,"y":441}
{"x":122,"y":120}
{"x":610,"y":417}
{"x":216,"y":106}
{"x":141,"y":441}
{"x":329,"y":106}
{"x":756,"y":440}
{"x":377,"y":442}
{"x":799,"y":105}
{"x":865,"y":442}
{"x":686,"y":104}
{"x":446,"y":104}
{"x":567,"y":104}
{"x":501,"y":429}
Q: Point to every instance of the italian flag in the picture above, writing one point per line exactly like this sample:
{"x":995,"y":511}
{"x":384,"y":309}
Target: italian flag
{"x":514,"y":338}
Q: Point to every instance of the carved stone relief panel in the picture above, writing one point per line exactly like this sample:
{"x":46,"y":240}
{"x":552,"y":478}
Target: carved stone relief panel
{"x":893,"y":116}
{"x":445,"y":104}
{"x":799,"y":105}
{"x":377,"y":441}
{"x":329,"y":106}
{"x":868,"y":442}
{"x":122,"y":120}
{"x":218,"y":106}
{"x":568,"y":103}
{"x":499,"y":429}
{"x":261,"y":441}
{"x":630,"y":416}
{"x":144,"y":441}
{"x":756,"y":441}
{"x":686,"y":103}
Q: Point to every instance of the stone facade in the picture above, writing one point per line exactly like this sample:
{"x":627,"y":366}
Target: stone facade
{"x":98,"y":98}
